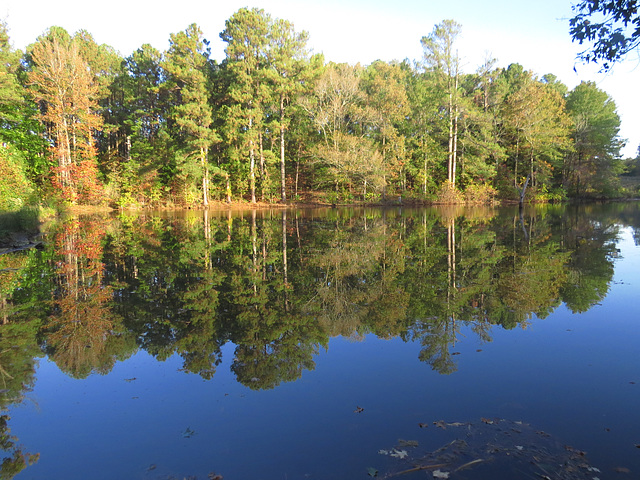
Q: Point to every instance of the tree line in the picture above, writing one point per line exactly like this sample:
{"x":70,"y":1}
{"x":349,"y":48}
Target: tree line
{"x":274,"y":123}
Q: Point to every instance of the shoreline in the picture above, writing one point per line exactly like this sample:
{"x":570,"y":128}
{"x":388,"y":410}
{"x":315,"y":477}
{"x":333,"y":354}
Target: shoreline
{"x":237,"y":206}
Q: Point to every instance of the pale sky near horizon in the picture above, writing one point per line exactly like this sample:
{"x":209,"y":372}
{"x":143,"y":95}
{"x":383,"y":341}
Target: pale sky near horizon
{"x":534,"y":34}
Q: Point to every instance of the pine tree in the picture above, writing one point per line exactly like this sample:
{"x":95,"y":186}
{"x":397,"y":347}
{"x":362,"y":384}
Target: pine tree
{"x":246,"y":34}
{"x":189,"y":69}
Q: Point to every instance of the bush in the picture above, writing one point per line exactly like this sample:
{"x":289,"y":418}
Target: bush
{"x":16,"y":191}
{"x":449,"y":194}
{"x":556,"y":195}
{"x":480,"y":194}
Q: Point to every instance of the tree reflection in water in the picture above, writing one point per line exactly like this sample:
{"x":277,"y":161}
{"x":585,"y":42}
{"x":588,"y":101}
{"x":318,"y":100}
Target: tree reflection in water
{"x":278,"y":285}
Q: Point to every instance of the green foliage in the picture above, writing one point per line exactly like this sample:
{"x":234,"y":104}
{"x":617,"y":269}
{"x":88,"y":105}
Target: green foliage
{"x":612,"y":27}
{"x":174,"y":128}
{"x":19,"y":128}
{"x":556,"y":195}
{"x":16,"y":191}
{"x":480,"y":194}
{"x":595,"y":164}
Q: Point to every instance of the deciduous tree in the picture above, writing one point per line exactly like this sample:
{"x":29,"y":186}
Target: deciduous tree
{"x":441,"y":58}
{"x":63,"y":84}
{"x":611,"y":26}
{"x":594,"y":164}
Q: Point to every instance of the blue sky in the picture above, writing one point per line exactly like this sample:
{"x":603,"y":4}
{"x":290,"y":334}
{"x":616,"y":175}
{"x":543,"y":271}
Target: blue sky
{"x":534,"y":34}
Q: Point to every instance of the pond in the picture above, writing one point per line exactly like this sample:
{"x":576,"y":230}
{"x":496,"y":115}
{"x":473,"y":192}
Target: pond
{"x":461,"y":343}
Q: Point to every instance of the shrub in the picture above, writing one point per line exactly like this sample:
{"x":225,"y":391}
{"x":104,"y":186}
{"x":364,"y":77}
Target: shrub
{"x":482,"y":194}
{"x":556,"y":195}
{"x":16,"y":190}
{"x":449,"y":194}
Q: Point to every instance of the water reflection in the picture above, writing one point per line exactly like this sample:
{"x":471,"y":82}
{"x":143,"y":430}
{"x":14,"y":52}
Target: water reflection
{"x":18,"y":353}
{"x":277,"y":285}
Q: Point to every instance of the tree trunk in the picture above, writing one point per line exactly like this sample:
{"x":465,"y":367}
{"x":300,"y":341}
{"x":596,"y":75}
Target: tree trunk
{"x":263,"y":176}
{"x":252,"y":166}
{"x":4,"y":309}
{"x":455,"y":147}
{"x":515,"y":167}
{"x":128,"y":148}
{"x":524,"y":190}
{"x":283,"y":191}
{"x":284,"y":260}
{"x":450,"y":144}
{"x":424,"y":186}
{"x":205,"y":176}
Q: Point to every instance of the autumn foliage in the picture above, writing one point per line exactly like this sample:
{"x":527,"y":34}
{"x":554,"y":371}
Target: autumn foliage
{"x":65,"y":88}
{"x":81,"y":323}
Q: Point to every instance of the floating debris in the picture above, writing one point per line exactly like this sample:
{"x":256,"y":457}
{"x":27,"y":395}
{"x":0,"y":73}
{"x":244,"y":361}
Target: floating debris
{"x":394,"y":452}
{"x":408,"y":443}
{"x":489,"y":449}
{"x":439,"y":474}
{"x":443,"y":425}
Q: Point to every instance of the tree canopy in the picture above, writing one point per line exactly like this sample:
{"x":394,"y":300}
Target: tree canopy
{"x":612,"y":27}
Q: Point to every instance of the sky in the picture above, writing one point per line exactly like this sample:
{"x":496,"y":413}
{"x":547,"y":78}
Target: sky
{"x":533,"y":33}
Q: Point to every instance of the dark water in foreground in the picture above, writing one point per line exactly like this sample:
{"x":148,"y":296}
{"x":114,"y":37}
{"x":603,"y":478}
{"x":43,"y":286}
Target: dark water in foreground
{"x":323,"y":344}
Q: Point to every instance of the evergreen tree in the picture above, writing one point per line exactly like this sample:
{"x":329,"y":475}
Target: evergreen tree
{"x":188,"y":70}
{"x":288,"y":72}
{"x":246,"y":34}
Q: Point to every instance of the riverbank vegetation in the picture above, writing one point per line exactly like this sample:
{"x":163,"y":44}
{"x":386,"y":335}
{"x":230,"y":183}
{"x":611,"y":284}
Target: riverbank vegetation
{"x":82,"y":125}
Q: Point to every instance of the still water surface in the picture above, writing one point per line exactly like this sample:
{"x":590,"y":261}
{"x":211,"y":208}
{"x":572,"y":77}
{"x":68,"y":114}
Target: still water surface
{"x":321,"y":344}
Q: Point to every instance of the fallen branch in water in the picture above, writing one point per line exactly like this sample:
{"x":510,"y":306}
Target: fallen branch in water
{"x":468,"y":464}
{"x":417,"y":469}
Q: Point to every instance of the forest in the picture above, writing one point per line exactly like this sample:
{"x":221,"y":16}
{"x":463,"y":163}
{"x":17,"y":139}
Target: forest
{"x":273,"y":123}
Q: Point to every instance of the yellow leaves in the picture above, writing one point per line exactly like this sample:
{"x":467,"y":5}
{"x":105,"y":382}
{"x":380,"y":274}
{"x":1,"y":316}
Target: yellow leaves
{"x":62,"y":81}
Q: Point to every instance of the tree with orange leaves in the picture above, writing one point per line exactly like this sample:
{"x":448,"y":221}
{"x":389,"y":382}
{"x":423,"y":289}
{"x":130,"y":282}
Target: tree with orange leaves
{"x":66,"y":90}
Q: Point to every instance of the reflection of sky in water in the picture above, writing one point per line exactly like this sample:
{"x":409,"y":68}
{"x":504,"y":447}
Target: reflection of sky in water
{"x":568,"y":375}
